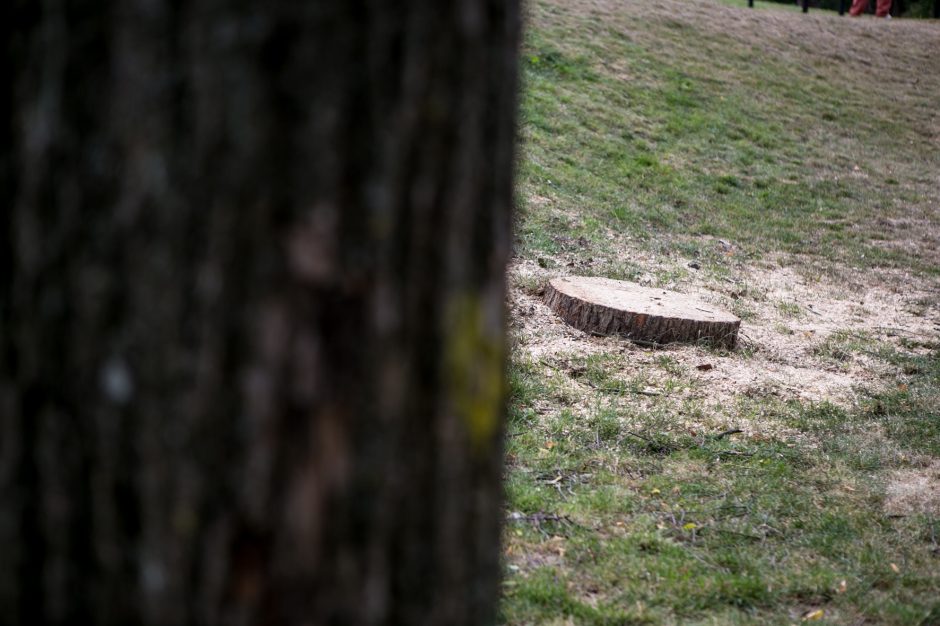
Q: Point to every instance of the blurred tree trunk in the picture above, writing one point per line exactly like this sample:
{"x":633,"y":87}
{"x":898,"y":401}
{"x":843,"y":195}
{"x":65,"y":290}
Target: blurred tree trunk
{"x":251,"y":310}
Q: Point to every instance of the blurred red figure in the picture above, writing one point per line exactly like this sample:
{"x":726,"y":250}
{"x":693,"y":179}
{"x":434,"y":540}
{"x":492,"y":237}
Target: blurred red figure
{"x":881,"y":9}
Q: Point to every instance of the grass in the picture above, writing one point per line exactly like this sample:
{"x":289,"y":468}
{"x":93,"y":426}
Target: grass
{"x":651,"y":139}
{"x":658,"y":525}
{"x":635,"y":139}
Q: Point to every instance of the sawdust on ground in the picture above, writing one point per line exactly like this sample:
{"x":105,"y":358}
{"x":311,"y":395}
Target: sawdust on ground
{"x":781,"y":353}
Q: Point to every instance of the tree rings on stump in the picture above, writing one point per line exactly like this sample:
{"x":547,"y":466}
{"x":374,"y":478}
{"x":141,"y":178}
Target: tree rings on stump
{"x":615,"y":307}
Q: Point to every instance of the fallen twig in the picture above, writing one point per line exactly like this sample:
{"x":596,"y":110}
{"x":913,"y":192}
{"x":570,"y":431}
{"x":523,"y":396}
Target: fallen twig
{"x":896,"y":330}
{"x":653,"y":445}
{"x":621,"y":389}
{"x":738,"y":533}
{"x":643,"y":343}
{"x":537,"y":519}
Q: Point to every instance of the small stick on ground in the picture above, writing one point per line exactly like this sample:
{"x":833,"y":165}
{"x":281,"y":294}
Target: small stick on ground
{"x":638,"y":436}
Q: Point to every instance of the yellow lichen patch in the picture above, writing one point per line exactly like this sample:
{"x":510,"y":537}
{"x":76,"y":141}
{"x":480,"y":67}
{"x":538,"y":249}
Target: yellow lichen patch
{"x":474,"y":368}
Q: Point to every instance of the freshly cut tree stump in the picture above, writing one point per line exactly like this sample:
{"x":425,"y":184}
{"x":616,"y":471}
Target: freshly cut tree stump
{"x":615,"y":307}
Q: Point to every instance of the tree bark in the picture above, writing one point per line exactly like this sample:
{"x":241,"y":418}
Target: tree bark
{"x":251,"y":315}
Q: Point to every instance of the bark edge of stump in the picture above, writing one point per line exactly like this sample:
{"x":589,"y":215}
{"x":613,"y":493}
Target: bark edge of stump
{"x":604,"y":306}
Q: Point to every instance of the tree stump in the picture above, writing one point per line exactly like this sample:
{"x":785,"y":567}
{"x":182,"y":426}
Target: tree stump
{"x":615,"y":307}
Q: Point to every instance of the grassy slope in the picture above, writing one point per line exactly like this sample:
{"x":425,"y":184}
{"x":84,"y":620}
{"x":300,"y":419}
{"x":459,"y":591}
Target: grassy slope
{"x":658,"y":129}
{"x":656,"y":125}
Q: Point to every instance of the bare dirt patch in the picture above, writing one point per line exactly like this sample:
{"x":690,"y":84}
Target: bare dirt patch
{"x":914,"y":491}
{"x":804,"y":336}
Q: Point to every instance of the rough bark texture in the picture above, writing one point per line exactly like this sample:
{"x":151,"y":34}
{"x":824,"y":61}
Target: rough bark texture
{"x":613,"y":307}
{"x":251,"y":309}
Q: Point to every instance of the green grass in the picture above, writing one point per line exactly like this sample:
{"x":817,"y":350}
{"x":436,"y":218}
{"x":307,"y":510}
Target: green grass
{"x":649,"y":140}
{"x":659,"y":525}
{"x":642,"y":140}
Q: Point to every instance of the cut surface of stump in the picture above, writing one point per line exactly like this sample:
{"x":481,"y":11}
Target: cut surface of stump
{"x":616,"y":307}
